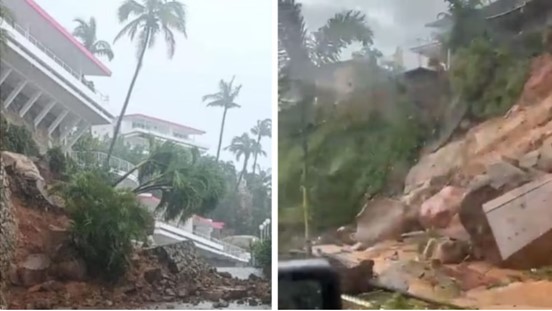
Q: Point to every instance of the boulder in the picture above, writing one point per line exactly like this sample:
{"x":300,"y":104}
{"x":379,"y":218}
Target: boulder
{"x":234,"y":293}
{"x":451,"y":251}
{"x":153,"y":275}
{"x":56,"y":239}
{"x":383,"y":219}
{"x":439,"y":164}
{"x":21,"y":165}
{"x":34,"y":269}
{"x":506,"y":175}
{"x":530,"y":160}
{"x":71,"y":270}
{"x":438,"y":211}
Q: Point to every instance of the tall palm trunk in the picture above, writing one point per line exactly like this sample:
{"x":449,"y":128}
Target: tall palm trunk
{"x":127,"y":99}
{"x":221,"y":131}
{"x":256,"y":155}
{"x":242,"y":171}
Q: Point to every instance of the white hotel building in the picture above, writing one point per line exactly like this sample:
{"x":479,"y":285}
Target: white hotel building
{"x":43,"y":74}
{"x":44,"y":86}
{"x":136,"y":128}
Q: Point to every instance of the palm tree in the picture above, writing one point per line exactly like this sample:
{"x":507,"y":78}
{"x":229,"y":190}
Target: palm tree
{"x":147,"y":20}
{"x":262,"y":129}
{"x":86,"y":33}
{"x":301,"y":54}
{"x":243,"y":146}
{"x":187,"y":182}
{"x":225,"y":98}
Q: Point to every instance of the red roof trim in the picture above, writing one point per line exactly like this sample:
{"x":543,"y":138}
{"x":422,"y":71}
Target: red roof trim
{"x":184,"y":127}
{"x":67,"y":35}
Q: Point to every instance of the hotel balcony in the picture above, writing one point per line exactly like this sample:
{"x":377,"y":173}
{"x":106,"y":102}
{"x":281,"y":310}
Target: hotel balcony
{"x":42,"y":89}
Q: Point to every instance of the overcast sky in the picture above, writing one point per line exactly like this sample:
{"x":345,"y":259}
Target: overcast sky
{"x":225,"y":38}
{"x":396,"y":23}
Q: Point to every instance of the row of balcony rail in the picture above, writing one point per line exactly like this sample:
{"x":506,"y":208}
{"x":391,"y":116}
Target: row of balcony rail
{"x":25,"y":32}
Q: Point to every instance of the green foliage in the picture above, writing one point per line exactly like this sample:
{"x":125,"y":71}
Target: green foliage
{"x":349,"y":161}
{"x":122,"y":150}
{"x":489,"y":78}
{"x":16,"y":139}
{"x":57,"y":161}
{"x":104,"y":222}
{"x":187,"y":182}
{"x":262,"y":253}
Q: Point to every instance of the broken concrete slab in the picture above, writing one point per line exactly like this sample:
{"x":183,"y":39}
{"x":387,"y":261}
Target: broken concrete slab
{"x":521,"y":224}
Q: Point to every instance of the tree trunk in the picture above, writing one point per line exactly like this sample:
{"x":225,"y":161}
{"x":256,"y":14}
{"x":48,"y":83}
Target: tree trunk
{"x":256,"y":155}
{"x":127,"y":99}
{"x":305,"y":176}
{"x":242,"y":171}
{"x":221,"y":131}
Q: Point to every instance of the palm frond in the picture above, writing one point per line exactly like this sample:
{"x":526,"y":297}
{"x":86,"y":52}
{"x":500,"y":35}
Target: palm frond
{"x":103,"y":48}
{"x":339,"y":32}
{"x":128,"y":8}
{"x":130,"y":29}
{"x":292,"y":36}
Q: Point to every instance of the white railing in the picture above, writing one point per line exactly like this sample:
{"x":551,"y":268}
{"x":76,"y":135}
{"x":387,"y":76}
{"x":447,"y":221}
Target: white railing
{"x":24,"y":32}
{"x":98,"y":157}
{"x":204,"y":242}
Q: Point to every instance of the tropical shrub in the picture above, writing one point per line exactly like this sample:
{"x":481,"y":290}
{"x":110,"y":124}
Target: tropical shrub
{"x":489,"y":78}
{"x":16,"y":139}
{"x":104,"y":222}
{"x":262,"y":253}
{"x":57,"y":161}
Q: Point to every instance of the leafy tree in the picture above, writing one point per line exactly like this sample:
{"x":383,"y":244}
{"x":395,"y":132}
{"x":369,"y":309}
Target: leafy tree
{"x":244,"y":146}
{"x":262,"y":252}
{"x":262,"y":129}
{"x":301,"y":54}
{"x":467,"y":20}
{"x":148,"y":20}
{"x":225,"y":98}
{"x":86,"y":32}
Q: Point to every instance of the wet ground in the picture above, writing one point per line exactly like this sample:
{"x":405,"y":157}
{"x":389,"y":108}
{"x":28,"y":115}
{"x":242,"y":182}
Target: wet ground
{"x":237,"y":272}
{"x":469,"y":285}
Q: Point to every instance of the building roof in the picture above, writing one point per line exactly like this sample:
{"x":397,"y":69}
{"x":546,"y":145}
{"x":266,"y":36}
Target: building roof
{"x":50,"y":20}
{"x":170,"y":123}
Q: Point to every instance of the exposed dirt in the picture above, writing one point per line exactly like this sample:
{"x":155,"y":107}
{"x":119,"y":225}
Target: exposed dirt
{"x":134,"y":291}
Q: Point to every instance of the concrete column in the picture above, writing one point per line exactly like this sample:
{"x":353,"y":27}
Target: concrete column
{"x":69,"y":128}
{"x":5,"y":75}
{"x":29,"y":104}
{"x":14,"y":93}
{"x":44,"y":112}
{"x":57,"y":122}
{"x":83,"y":126}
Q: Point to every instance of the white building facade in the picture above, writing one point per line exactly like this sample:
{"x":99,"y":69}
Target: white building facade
{"x":43,"y":81}
{"x":136,"y":128}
